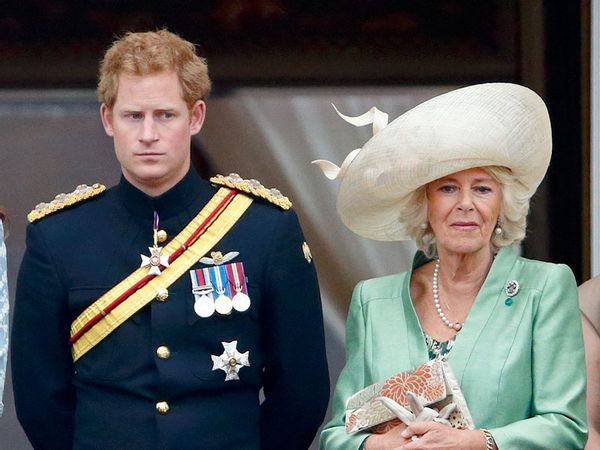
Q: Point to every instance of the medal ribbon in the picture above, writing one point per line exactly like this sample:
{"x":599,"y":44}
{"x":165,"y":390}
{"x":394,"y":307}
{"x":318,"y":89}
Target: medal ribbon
{"x":199,"y":281}
{"x":155,"y":222}
{"x":219,"y":278}
{"x":236,"y":275}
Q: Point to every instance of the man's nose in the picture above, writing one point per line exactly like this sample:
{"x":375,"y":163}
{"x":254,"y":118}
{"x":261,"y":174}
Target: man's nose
{"x":148,"y":132}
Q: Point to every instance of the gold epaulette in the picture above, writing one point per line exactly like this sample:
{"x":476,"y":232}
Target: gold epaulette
{"x":61,"y":201}
{"x":254,"y":187}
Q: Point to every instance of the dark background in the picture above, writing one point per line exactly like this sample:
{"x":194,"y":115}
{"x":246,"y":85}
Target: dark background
{"x":268,"y":41}
{"x":50,"y":44}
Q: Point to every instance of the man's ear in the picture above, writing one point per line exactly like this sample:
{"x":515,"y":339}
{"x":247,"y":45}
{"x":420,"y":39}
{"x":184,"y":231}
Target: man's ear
{"x":197,"y":115}
{"x":106,"y":116}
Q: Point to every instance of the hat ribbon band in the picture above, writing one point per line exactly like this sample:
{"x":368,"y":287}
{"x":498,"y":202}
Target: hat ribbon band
{"x":378,"y":118}
{"x":332,"y":171}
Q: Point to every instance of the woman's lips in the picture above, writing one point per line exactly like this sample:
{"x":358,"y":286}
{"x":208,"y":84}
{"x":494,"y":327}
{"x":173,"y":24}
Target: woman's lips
{"x":465,"y":226}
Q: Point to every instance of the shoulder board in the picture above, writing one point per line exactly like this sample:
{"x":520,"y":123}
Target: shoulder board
{"x":61,"y":201}
{"x":253,"y":187}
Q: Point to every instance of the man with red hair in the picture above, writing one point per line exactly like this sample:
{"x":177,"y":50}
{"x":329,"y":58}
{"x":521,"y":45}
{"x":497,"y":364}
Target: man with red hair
{"x":173,"y":353}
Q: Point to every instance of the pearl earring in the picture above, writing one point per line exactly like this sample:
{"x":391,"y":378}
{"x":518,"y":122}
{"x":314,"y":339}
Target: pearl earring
{"x":424,"y":226}
{"x":498,"y":230}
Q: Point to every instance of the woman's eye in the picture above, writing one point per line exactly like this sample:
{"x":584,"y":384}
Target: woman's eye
{"x":483,"y":189}
{"x":447,"y":188}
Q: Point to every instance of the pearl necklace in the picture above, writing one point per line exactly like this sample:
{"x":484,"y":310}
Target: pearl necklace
{"x":436,"y":299}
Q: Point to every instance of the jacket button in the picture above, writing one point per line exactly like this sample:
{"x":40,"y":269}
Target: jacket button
{"x":161,"y":236}
{"x":163,"y":352}
{"x":162,"y":407}
{"x":162,"y":294}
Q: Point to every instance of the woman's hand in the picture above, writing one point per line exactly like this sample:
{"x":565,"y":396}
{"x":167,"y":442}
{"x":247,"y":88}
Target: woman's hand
{"x":390,"y":440}
{"x":436,"y":436}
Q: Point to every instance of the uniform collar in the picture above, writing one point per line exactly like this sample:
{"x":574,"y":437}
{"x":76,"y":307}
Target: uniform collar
{"x":187,"y":191}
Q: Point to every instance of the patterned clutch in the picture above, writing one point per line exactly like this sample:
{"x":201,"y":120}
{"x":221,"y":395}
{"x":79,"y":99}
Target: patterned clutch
{"x":432,"y":385}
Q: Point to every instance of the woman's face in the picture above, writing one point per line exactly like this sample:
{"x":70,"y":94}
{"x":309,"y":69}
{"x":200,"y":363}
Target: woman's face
{"x":463,"y":210}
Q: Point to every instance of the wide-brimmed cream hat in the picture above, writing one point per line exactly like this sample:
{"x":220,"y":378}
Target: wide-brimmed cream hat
{"x":493,"y":124}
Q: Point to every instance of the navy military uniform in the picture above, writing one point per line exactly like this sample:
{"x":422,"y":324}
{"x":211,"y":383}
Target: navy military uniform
{"x":150,"y":384}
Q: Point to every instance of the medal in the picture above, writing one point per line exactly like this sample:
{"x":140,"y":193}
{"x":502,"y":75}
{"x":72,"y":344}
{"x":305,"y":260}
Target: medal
{"x":241,"y":301}
{"x":223,"y":303}
{"x":204,"y":304}
{"x":155,"y":261}
{"x":230,"y":361}
{"x":221,"y":288}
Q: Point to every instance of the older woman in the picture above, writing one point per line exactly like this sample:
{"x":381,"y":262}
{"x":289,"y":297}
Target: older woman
{"x":456,"y":174}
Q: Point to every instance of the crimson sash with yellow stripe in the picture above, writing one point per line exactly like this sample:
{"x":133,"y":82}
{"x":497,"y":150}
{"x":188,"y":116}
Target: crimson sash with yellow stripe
{"x":138,"y":289}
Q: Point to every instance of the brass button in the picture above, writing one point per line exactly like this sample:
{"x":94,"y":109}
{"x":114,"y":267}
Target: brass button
{"x":161,"y":235}
{"x":162,"y":294}
{"x":163,"y":352}
{"x":162,"y":407}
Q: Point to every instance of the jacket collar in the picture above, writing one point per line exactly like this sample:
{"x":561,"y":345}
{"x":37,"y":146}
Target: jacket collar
{"x":490,"y":296}
{"x":190,"y":189}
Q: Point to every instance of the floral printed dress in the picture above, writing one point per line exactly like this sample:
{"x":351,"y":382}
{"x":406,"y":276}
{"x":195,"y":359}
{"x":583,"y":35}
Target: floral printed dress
{"x":437,"y":349}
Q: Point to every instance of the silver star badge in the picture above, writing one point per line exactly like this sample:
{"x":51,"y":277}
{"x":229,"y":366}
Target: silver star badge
{"x":230,"y":361}
{"x":155,"y":260}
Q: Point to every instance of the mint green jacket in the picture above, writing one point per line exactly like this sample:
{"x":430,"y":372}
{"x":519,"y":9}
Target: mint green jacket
{"x":520,"y":364}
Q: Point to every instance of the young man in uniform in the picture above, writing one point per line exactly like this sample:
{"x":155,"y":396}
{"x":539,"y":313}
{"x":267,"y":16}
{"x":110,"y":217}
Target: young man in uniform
{"x":152,"y":314}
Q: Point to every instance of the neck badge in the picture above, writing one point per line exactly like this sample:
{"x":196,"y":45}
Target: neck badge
{"x":155,"y":261}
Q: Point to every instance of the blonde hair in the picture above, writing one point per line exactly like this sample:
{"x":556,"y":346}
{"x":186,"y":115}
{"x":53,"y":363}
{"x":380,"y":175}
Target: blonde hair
{"x":512,"y":219}
{"x":149,"y":53}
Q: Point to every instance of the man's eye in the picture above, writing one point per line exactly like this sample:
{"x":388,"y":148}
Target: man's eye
{"x":166,"y":115}
{"x":135,"y":116}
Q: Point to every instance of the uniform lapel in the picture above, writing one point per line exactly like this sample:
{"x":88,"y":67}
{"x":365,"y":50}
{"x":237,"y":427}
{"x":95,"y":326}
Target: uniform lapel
{"x":489,"y":297}
{"x":415,"y":339}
